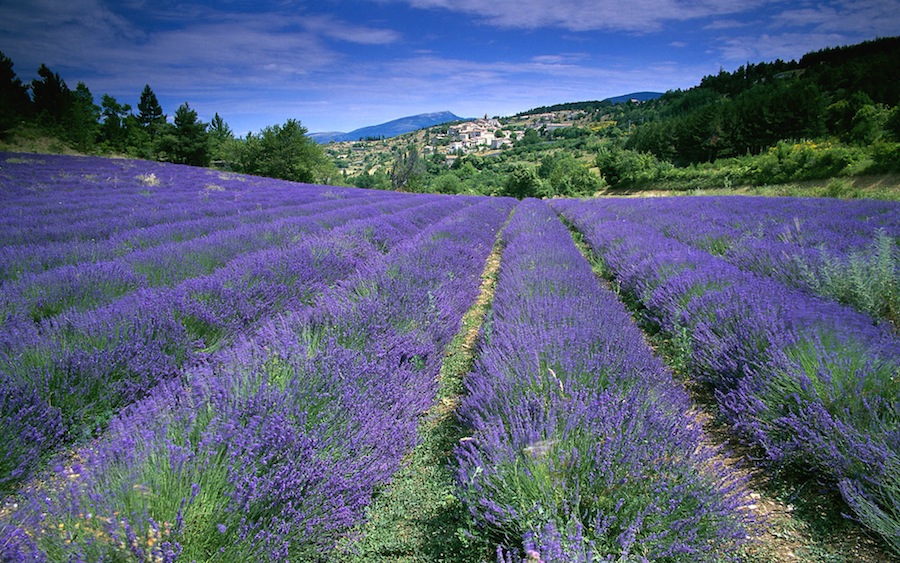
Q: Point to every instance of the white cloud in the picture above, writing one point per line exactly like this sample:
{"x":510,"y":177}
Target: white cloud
{"x":791,"y":33}
{"x":852,"y":18}
{"x":725,"y":24}
{"x":586,"y":15}
{"x":211,"y":47}
{"x":785,"y":46}
{"x":334,"y":28}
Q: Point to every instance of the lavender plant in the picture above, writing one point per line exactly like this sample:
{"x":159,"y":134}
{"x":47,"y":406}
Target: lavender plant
{"x":582,"y":448}
{"x":809,"y":382}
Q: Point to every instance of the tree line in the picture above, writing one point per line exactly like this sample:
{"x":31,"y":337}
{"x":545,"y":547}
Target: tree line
{"x":55,"y":110}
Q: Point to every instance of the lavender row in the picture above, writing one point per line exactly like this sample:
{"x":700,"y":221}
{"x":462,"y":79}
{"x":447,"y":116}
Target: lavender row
{"x":77,"y":369}
{"x":582,"y":447}
{"x":87,"y":285}
{"x":190,"y":223}
{"x":845,"y":250}
{"x":89,"y":200}
{"x":810,"y":383}
{"x":273,"y":451}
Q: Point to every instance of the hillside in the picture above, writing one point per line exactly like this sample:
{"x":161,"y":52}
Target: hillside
{"x":593,"y":105}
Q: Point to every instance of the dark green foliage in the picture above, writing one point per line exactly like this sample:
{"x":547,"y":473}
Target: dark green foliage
{"x":81,"y":122}
{"x":187,"y":142}
{"x":531,"y":137}
{"x":113,"y":129}
{"x":563,"y":175}
{"x":523,"y":182}
{"x":14,"y":102}
{"x":221,"y":139}
{"x":625,"y":166}
{"x":703,"y":126}
{"x":870,"y":67}
{"x":377,"y":180}
{"x":51,"y":96}
{"x":285,"y":152}
{"x":70,"y":115}
{"x":150,"y":113}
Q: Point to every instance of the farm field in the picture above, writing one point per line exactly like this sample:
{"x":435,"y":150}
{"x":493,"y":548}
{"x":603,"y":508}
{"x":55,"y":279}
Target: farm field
{"x":206,"y":366}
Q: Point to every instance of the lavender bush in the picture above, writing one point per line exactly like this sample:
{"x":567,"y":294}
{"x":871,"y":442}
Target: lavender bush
{"x":809,"y":382}
{"x":582,"y":448}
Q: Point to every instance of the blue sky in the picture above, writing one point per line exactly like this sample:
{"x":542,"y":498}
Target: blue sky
{"x":337,"y":65}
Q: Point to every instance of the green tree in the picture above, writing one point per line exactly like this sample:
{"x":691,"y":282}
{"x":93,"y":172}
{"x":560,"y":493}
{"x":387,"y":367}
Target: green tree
{"x":221,"y":140}
{"x":285,"y":152}
{"x":522,"y":182}
{"x":563,"y":175}
{"x":868,"y":124}
{"x":625,"y":166}
{"x":187,"y":141}
{"x":220,"y":130}
{"x":377,"y":180}
{"x":892,"y":124}
{"x":531,"y":137}
{"x":446,"y":183}
{"x":15,"y":105}
{"x":113,"y":129}
{"x":408,"y":170}
{"x":52,"y":97}
{"x":150,"y":113}
{"x":82,"y":120}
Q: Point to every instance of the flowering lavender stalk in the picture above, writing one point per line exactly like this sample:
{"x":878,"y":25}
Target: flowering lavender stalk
{"x":582,"y":448}
{"x":809,"y":382}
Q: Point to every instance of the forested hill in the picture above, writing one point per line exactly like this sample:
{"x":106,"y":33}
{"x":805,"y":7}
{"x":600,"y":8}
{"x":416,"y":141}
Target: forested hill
{"x":845,"y":92}
{"x":593,"y":104}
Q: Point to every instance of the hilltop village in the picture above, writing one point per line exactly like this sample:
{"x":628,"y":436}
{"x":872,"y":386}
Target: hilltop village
{"x":483,"y":136}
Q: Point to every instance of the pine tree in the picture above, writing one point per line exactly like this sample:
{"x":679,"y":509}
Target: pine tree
{"x":82,"y":121}
{"x":150,"y":113}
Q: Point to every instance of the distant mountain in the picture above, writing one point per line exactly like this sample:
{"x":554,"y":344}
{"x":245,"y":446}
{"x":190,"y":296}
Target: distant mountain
{"x":389,"y":129}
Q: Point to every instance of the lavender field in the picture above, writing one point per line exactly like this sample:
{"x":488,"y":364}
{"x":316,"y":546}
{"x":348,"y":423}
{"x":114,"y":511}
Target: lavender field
{"x":204,"y":366}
